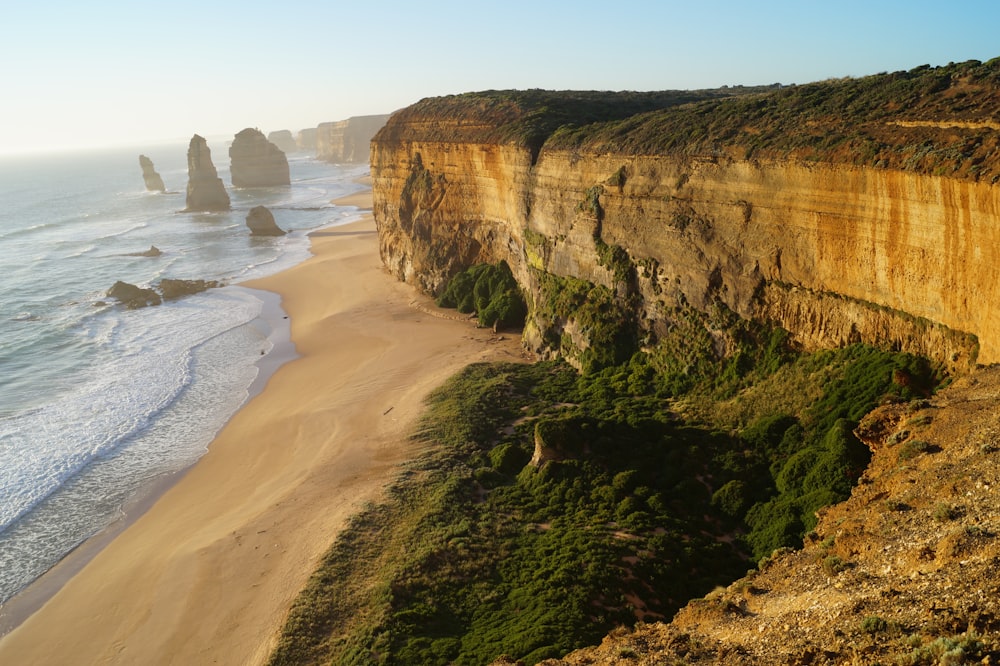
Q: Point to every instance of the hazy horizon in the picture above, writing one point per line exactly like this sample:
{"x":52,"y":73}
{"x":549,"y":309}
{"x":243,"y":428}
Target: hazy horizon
{"x":112,"y":73}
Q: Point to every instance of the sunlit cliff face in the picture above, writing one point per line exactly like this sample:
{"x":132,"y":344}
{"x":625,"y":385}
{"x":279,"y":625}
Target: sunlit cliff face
{"x":836,"y":254}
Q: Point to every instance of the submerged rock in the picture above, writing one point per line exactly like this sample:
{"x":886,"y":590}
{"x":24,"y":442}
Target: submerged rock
{"x":256,"y":162}
{"x":205,"y":191}
{"x":133,"y":297}
{"x":153,"y":251}
{"x":261,"y":222}
{"x":154,"y":183}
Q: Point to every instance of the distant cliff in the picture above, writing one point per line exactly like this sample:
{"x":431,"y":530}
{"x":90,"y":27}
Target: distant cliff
{"x":284,"y":140}
{"x":861,"y":210}
{"x":347,"y":140}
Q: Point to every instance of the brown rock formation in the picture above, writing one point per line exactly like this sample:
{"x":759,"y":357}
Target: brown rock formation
{"x":154,"y":183}
{"x":133,"y":297}
{"x":171,"y":288}
{"x":347,"y":140}
{"x":205,"y":191}
{"x":284,"y":140}
{"x":261,"y":222}
{"x":256,"y":162}
{"x":834,"y":252}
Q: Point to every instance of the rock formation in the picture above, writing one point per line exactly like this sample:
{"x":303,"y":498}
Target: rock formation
{"x":154,"y":183}
{"x":153,"y":251}
{"x":284,"y":140}
{"x":205,"y":191}
{"x":133,"y":297}
{"x":261,"y":222}
{"x":306,"y":139}
{"x":347,"y":140}
{"x":834,"y":251}
{"x":256,"y":162}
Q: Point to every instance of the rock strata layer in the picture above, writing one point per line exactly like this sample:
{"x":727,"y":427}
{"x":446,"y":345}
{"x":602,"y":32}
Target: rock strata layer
{"x":261,"y":222}
{"x":154,"y":183}
{"x":205,"y":190}
{"x":256,"y":162}
{"x":835,"y":253}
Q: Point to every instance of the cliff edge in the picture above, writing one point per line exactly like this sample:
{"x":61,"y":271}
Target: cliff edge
{"x":850,"y":211}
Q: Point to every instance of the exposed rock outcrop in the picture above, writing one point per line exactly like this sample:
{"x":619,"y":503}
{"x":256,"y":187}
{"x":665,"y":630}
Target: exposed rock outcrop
{"x":205,"y":191}
{"x":256,"y":162}
{"x":261,"y":222}
{"x":834,"y":252}
{"x":284,"y":140}
{"x":347,"y":140}
{"x":154,"y":183}
{"x":153,"y":251}
{"x":134,"y":297}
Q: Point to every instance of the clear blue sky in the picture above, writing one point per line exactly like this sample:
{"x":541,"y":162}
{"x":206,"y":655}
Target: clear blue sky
{"x":105,"y":72}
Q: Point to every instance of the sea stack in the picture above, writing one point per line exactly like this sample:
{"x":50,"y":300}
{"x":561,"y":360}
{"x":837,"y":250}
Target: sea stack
{"x":261,"y":222}
{"x":205,"y":191}
{"x":256,"y":162}
{"x":284,"y":140}
{"x":153,"y":181}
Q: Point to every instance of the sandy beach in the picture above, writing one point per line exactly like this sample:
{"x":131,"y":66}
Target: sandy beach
{"x":207,"y":573}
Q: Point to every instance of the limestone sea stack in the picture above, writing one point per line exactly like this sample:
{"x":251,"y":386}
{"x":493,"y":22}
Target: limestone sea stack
{"x":256,"y":162}
{"x":306,"y":139}
{"x":261,"y":222}
{"x":205,"y":191}
{"x":284,"y":140}
{"x":154,"y":183}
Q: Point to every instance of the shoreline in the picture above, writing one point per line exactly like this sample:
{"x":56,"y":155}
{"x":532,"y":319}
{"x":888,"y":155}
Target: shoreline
{"x":207,"y":571}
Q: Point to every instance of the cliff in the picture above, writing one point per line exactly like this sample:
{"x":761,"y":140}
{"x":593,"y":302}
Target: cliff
{"x":853,"y":211}
{"x":256,"y":162}
{"x":306,"y":139}
{"x":205,"y":191}
{"x":154,"y":183}
{"x":347,"y":140}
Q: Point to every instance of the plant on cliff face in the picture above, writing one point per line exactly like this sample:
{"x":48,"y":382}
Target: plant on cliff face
{"x":488,"y":290}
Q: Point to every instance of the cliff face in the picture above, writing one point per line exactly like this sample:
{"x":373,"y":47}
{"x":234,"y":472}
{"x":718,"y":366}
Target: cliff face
{"x":205,"y":191}
{"x":256,"y":162}
{"x":284,"y":140}
{"x":347,"y":140}
{"x":834,"y":252}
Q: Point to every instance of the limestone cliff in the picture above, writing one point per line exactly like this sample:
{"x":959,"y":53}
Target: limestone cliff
{"x":347,"y":140}
{"x":877,"y":225}
{"x":256,"y":162}
{"x":205,"y":191}
{"x":306,"y":139}
{"x":154,"y":183}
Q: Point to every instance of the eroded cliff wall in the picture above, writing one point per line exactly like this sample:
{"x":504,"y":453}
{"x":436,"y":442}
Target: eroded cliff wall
{"x":834,"y":252}
{"x":347,"y":140}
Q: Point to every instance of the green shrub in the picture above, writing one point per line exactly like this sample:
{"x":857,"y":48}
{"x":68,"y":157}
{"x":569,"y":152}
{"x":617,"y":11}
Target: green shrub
{"x":488,"y":290}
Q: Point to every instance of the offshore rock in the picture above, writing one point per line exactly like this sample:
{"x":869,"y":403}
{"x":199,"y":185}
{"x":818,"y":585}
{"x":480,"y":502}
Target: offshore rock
{"x":171,"y":288}
{"x":284,"y":140}
{"x":261,"y":222}
{"x":347,"y":140}
{"x":154,"y":183}
{"x":133,"y":297}
{"x":205,"y":191}
{"x":153,"y":251}
{"x":256,"y":162}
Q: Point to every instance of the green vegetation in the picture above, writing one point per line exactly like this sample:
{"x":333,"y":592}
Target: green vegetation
{"x":488,"y":290}
{"x":656,"y":480}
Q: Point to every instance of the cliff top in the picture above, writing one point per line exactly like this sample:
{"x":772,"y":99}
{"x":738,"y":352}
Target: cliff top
{"x":940,"y":120}
{"x":904,"y":572}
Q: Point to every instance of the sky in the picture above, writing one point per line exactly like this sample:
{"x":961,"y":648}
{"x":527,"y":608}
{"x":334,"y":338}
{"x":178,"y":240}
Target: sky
{"x":121,"y":73}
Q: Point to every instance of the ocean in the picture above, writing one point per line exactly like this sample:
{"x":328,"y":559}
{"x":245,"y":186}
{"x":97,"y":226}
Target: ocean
{"x":98,"y":402}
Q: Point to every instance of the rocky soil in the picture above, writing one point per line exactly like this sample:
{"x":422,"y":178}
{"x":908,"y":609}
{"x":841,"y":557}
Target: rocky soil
{"x":906,"y":571}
